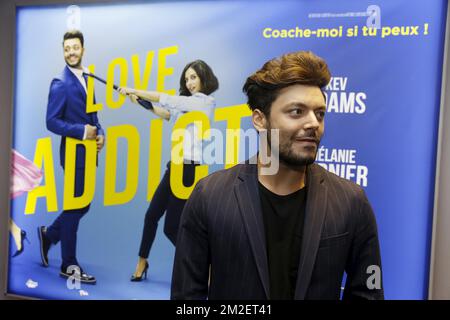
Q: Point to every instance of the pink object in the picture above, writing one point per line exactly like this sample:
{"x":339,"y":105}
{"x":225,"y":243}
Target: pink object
{"x":25,"y":175}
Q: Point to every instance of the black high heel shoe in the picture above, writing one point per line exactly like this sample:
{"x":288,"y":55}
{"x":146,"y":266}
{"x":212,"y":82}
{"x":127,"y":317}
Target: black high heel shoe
{"x":142,"y":276}
{"x":23,"y":236}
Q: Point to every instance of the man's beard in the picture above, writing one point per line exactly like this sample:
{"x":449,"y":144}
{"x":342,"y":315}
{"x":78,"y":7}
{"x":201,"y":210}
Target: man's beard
{"x":286,"y":153}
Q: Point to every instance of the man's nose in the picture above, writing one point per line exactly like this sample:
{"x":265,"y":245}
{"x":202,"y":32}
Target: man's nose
{"x":311,"y":121}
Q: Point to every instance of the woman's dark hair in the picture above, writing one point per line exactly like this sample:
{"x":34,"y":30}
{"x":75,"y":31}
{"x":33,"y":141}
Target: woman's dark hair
{"x":207,"y":78}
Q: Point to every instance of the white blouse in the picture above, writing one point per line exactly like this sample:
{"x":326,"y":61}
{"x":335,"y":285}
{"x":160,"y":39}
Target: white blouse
{"x":179,"y":105}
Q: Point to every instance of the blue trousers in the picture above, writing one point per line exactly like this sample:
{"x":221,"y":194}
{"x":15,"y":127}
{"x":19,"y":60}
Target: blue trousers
{"x":65,"y":227}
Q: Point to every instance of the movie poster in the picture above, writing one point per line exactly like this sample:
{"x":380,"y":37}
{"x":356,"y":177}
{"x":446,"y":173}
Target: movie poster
{"x":380,"y":131}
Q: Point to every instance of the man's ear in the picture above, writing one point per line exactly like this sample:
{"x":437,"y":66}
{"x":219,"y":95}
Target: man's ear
{"x":259,"y":120}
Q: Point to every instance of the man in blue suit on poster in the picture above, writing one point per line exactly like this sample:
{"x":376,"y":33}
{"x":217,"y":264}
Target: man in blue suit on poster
{"x":67,"y":117}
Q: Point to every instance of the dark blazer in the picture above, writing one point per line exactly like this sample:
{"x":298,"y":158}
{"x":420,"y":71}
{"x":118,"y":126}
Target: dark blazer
{"x":66,"y":113}
{"x":222,"y":227}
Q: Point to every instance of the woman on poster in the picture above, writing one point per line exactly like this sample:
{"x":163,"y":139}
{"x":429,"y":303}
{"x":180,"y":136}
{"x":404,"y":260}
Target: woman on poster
{"x":25,"y":176}
{"x":197,"y":83}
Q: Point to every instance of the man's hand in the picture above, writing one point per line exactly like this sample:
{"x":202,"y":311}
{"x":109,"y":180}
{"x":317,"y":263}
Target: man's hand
{"x":91,"y":132}
{"x":100,"y":142}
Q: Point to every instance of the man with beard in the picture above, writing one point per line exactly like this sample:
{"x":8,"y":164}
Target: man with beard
{"x":67,"y":117}
{"x":290,"y":235}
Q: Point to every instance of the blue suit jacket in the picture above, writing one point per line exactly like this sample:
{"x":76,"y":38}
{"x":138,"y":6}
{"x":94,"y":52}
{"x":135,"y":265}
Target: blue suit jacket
{"x":66,"y":113}
{"x":222,"y":238}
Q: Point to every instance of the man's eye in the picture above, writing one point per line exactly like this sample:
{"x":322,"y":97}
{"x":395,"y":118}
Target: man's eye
{"x":321,"y":114}
{"x":296,"y":112}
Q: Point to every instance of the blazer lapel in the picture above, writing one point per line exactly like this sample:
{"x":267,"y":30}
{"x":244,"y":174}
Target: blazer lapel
{"x":316,"y":204}
{"x":247,"y":195}
{"x":75,"y":82}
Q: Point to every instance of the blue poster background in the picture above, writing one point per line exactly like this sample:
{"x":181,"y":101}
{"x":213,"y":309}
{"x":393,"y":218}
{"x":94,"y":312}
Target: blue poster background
{"x":394,"y":138}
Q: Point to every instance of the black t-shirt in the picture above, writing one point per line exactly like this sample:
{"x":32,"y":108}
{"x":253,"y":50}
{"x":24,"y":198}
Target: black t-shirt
{"x":283,"y":221}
